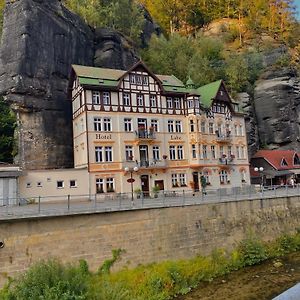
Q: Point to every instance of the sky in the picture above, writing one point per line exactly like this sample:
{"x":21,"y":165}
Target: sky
{"x":297,"y":2}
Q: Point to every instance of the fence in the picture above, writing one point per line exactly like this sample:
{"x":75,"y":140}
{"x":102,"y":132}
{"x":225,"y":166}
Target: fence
{"x":63,"y":205}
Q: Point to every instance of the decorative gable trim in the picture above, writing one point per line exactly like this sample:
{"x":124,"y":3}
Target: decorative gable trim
{"x":134,"y":67}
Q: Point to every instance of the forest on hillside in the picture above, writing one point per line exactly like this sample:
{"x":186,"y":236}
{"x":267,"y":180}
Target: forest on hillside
{"x":234,"y":55}
{"x":247,"y":29}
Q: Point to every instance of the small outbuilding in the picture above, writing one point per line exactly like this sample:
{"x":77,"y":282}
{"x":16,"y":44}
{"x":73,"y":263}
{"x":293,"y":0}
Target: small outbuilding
{"x":275,"y":167}
{"x":8,"y":183}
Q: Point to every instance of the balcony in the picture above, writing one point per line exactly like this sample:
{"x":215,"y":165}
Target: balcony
{"x":223,"y":137}
{"x":226,"y":160}
{"x":148,"y":164}
{"x":145,"y":134}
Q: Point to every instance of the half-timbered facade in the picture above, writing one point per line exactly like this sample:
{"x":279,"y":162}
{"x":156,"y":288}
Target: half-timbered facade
{"x":157,"y":130}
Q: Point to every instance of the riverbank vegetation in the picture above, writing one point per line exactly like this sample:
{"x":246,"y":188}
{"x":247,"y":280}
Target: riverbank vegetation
{"x":51,"y":280}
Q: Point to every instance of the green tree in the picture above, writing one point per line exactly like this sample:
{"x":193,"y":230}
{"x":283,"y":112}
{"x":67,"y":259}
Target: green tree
{"x":181,"y":56}
{"x":125,"y":16}
{"x":7,"y":127}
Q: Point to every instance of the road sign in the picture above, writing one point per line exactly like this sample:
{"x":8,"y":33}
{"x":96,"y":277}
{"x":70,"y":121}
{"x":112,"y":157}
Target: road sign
{"x":131,"y":180}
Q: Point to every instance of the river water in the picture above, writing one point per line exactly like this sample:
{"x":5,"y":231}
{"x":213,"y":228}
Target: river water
{"x":262,"y":282}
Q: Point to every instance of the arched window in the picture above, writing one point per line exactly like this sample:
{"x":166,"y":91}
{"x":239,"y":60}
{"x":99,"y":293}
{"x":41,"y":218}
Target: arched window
{"x":223,"y":177}
{"x":296,"y":160}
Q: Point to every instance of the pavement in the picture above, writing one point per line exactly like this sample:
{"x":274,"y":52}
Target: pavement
{"x":107,"y":203}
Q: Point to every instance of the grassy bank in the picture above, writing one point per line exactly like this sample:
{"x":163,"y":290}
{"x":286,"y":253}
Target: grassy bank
{"x":51,"y":280}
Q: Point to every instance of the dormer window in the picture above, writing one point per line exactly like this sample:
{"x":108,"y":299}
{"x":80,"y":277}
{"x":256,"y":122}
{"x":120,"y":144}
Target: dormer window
{"x":283,"y":163}
{"x":138,"y":79}
{"x":296,"y":160}
{"x":132,"y":78}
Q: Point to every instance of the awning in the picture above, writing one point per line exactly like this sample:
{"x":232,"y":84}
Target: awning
{"x":274,"y":173}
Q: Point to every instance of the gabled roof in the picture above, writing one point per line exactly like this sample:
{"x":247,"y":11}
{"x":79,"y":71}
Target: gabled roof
{"x":98,"y":76}
{"x":111,"y":78}
{"x":275,"y":157}
{"x":208,"y":92}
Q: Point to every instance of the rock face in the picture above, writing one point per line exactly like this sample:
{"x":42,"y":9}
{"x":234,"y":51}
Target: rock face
{"x":277,"y":109}
{"x":40,"y":41}
{"x":113,"y":50}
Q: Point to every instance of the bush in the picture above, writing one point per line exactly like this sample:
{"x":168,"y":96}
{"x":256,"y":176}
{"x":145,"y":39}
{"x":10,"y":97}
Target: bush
{"x":50,"y":280}
{"x":253,"y":251}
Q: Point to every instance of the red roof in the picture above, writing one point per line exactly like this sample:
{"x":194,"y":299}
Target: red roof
{"x":276,"y":157}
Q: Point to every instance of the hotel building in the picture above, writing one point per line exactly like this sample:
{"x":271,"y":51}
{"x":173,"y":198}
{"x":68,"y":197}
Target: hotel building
{"x":156,"y":130}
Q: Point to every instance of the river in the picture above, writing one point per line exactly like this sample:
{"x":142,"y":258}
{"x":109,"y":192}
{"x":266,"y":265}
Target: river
{"x":261,"y":282}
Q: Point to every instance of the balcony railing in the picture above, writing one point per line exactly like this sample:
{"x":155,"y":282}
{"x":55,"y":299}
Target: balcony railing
{"x":145,"y":134}
{"x":226,"y":160}
{"x":223,"y":137}
{"x":146,"y":163}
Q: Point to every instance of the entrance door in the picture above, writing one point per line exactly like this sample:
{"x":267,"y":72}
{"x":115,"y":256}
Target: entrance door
{"x":145,"y":185}
{"x":196,"y":181}
{"x":144,"y":162}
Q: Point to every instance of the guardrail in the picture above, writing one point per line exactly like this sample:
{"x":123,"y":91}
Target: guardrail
{"x":67,"y":204}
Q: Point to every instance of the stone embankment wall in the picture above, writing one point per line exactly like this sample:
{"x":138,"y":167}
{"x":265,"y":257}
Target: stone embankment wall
{"x":147,"y":235}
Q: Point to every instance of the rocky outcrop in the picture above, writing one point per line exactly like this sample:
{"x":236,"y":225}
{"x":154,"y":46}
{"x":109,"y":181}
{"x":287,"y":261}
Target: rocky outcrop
{"x":113,"y":50}
{"x":277,"y":109}
{"x":40,"y":41}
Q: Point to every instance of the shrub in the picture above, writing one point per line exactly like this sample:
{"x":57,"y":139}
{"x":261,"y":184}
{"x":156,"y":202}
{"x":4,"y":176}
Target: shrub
{"x":253,"y":251}
{"x":50,"y":280}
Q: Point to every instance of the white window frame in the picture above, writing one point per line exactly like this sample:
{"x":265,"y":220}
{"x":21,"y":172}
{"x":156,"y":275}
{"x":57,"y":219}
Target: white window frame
{"x":106,"y":98}
{"x":182,"y":179}
{"x":73,"y":186}
{"x":180,"y":152}
{"x":223,"y":174}
{"x":127,"y":124}
{"x":213,"y":151}
{"x":154,"y":124}
{"x":96,"y":99}
{"x":107,"y":124}
{"x":170,"y":126}
{"x":194,"y":151}
{"x":203,"y":126}
{"x":177,"y":103}
{"x":169,"y":103}
{"x":58,"y":182}
{"x":153,"y":101}
{"x":140,"y":100}
{"x":172,"y":152}
{"x":99,"y":183}
{"x":108,"y":153}
{"x":204,"y":151}
{"x":99,"y":154}
{"x":126,"y":99}
{"x":178,"y":126}
{"x":129,"y":152}
{"x":97,"y":124}
{"x":110,"y":185}
{"x":156,"y":152}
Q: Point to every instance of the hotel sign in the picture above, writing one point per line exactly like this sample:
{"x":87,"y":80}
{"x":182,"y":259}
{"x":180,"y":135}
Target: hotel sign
{"x":105,"y":137}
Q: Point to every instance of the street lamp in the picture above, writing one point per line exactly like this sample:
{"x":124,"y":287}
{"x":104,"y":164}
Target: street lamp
{"x":131,"y":180}
{"x":260,"y":170}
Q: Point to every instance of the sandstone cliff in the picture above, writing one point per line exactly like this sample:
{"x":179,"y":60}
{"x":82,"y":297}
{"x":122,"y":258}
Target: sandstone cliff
{"x":273,"y":111}
{"x":40,"y":41}
{"x":277,"y":109}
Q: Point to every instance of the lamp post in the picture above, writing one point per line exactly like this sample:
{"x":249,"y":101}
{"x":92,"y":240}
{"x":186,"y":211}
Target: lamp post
{"x":260,"y":170}
{"x":131,"y":180}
